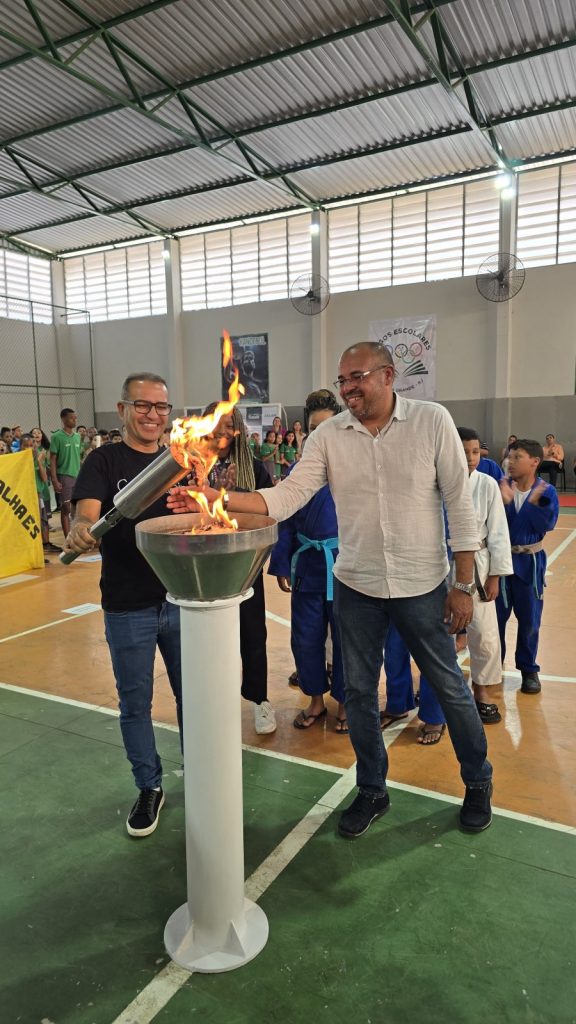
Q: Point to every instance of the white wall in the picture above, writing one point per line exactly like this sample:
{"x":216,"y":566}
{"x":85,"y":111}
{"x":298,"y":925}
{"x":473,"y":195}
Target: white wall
{"x":289,"y":349}
{"x":543,"y":336}
{"x":544,"y":333}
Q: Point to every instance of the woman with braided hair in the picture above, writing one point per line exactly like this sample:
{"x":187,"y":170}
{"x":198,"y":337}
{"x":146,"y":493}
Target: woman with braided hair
{"x":238,"y":470}
{"x":302,"y":561}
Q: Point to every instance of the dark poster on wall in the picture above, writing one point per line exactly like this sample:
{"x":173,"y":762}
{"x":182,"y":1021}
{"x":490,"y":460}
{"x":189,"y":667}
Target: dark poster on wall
{"x":250,"y":354}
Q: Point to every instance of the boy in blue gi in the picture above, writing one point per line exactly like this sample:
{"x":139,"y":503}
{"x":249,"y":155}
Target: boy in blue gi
{"x":302,"y":561}
{"x":532,"y":510}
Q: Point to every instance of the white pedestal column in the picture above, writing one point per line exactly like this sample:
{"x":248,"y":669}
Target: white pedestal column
{"x":218,"y":929}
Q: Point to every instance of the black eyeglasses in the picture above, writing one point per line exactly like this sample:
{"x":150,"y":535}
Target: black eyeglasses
{"x":357,"y":376}
{"x":162,"y":408}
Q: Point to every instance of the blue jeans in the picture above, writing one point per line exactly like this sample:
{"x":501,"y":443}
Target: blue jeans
{"x":132,"y":638}
{"x":363,"y":623}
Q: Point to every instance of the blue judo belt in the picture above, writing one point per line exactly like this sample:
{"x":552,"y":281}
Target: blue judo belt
{"x":327,"y":546}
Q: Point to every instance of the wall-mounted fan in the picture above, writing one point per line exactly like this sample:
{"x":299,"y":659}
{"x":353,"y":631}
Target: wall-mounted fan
{"x":309,"y":294}
{"x":500,"y":277}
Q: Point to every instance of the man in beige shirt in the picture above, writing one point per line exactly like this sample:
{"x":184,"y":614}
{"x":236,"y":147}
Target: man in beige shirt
{"x":553,"y":458}
{"x":390,"y":463}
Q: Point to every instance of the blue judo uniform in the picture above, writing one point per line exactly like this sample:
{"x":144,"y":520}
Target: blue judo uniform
{"x":523,"y":593}
{"x":305,"y":551}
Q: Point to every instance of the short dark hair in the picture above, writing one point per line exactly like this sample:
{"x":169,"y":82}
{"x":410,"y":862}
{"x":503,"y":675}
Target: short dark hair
{"x":468,"y":434}
{"x":27,"y":437}
{"x":532,"y":448}
{"x":6,"y":430}
{"x":154,"y":378}
{"x":322,"y":399}
{"x":64,"y":412}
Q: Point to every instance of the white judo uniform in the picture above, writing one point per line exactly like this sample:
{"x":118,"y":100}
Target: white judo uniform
{"x":493,"y":559}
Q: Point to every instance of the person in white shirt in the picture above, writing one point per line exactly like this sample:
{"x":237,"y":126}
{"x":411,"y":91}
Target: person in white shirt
{"x":390,"y":462}
{"x":493,"y":560}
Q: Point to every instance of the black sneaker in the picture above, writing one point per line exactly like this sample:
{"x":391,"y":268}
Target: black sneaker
{"x":476,"y":813}
{"x":364,"y":809}
{"x":143,"y":818}
{"x":530,"y":683}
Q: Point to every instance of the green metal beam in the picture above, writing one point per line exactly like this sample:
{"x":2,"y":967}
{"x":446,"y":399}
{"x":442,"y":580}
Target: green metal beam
{"x":461,"y":176}
{"x":166,"y":92}
{"x":82,"y":34}
{"x":434,"y":65}
{"x":309,"y":115}
{"x":149,"y":115}
{"x":269,"y":176}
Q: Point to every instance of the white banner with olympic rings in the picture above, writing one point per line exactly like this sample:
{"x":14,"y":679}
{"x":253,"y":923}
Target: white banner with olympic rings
{"x":411,"y":341}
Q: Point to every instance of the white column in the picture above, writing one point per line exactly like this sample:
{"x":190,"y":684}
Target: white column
{"x":217,"y":929}
{"x":319,"y":324}
{"x":503,"y":324}
{"x":175,"y":347}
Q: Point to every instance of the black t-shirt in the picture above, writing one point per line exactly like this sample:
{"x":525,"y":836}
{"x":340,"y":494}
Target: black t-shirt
{"x":127,"y":582}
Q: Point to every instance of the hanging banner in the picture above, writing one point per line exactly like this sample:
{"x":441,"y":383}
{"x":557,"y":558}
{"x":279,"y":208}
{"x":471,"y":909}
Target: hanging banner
{"x":411,"y":341}
{"x":250,"y":355}
{"x":20,"y":536}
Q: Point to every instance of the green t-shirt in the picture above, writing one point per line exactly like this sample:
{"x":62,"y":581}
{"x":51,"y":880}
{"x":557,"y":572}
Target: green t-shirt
{"x":266,"y":450}
{"x":289,"y":453}
{"x":68,"y":449}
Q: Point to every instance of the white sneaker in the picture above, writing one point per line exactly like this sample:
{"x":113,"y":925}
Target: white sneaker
{"x":264,"y":718}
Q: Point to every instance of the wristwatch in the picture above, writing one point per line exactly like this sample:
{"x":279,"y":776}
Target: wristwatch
{"x":466,"y":588}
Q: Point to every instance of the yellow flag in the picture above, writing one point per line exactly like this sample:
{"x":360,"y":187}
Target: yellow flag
{"x":20,"y":535}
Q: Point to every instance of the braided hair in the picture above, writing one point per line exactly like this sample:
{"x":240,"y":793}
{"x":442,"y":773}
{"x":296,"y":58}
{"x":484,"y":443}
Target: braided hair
{"x":240,"y":452}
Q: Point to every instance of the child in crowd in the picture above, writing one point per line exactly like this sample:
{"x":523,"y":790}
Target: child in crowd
{"x":268,"y":453}
{"x":532,"y":510}
{"x":288,"y":452}
{"x":491,"y":562}
{"x":299,"y":435}
{"x":302,"y":561}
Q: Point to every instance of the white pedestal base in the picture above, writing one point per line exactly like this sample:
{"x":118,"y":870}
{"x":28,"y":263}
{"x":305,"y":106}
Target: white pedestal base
{"x":218,"y":929}
{"x":187,"y":946}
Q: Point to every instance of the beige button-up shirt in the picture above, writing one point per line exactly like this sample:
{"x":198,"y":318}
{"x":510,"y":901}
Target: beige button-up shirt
{"x":388,"y":492}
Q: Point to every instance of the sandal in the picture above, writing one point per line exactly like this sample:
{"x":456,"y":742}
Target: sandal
{"x":435,"y":731}
{"x":386,"y":719}
{"x":303,"y":716}
{"x":341,"y":727}
{"x":489,"y":713}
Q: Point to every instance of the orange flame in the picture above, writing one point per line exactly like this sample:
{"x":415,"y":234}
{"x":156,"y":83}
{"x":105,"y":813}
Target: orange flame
{"x":194,"y":446}
{"x":217,"y":515}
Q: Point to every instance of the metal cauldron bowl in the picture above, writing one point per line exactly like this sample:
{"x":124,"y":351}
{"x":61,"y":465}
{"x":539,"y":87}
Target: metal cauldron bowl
{"x":206,"y":566}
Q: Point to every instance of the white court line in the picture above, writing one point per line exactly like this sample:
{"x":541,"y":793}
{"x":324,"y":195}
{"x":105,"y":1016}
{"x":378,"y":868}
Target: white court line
{"x":160,"y":990}
{"x":47,"y":625}
{"x":291,"y":758}
{"x":514,"y":674}
{"x":65,"y":700}
{"x":277,"y":618}
{"x":502,"y":812}
{"x":20,"y":578}
{"x":561,"y":547}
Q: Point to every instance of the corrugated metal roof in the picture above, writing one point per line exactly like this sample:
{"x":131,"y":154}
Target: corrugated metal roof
{"x":483,"y":29}
{"x":211,"y":207}
{"x":187,"y":39}
{"x":400,"y":167}
{"x":539,"y":136}
{"x":81,"y":234}
{"x":373,"y":124}
{"x":165,"y":174}
{"x":518,"y":87}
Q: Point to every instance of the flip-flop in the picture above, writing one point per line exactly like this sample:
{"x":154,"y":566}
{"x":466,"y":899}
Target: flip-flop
{"x":436,"y":732}
{"x":343,"y":730}
{"x":303,"y":717}
{"x":392,"y":719}
{"x":488,"y":713}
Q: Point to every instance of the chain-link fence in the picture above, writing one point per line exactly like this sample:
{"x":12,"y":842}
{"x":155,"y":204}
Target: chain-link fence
{"x":45,"y":364}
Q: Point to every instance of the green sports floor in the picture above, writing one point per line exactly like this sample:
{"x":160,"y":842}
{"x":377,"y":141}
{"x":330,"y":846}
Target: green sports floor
{"x":414,"y":922}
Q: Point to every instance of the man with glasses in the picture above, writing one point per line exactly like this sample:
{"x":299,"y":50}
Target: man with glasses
{"x":390,"y":463}
{"x":137,"y":617}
